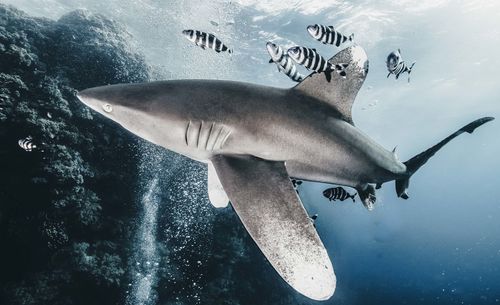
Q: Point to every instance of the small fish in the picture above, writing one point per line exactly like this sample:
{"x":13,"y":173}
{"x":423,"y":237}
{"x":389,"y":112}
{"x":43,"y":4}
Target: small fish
{"x":339,"y":193}
{"x":396,"y":65}
{"x":206,"y":40}
{"x":27,"y":143}
{"x":284,"y":63}
{"x":328,"y":35}
{"x":214,"y":23}
{"x":311,"y":59}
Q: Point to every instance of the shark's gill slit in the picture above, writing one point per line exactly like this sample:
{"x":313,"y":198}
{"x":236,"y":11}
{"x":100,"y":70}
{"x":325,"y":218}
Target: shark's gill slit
{"x":228,"y":133}
{"x":187,"y":133}
{"x":216,"y":138}
{"x":199,"y":134}
{"x":209,"y":135}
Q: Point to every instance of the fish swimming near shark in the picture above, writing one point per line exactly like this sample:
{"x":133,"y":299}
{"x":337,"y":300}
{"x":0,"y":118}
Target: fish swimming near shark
{"x":311,"y":59}
{"x":206,"y":40}
{"x":284,"y":63}
{"x":396,"y":65}
{"x":338,"y":193}
{"x":328,"y":34}
{"x":253,"y":138}
{"x":27,"y":144}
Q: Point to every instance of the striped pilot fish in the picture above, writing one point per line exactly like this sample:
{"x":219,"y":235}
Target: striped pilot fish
{"x":328,"y":35}
{"x":338,"y":193}
{"x":311,"y":59}
{"x":27,"y":143}
{"x":284,"y":63}
{"x":206,"y":40}
{"x":396,"y":65}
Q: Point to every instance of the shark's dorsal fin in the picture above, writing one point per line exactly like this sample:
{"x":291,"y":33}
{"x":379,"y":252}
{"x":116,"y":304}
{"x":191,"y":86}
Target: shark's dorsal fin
{"x":339,"y":92}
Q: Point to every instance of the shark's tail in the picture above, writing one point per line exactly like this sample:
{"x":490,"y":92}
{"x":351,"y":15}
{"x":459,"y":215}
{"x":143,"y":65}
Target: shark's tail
{"x":351,"y":37}
{"x":416,"y":162}
{"x":352,"y":197}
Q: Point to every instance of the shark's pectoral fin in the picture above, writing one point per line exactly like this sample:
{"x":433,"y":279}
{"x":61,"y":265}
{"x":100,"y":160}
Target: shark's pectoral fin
{"x":216,"y":192}
{"x":263,"y":197}
{"x":339,"y":91}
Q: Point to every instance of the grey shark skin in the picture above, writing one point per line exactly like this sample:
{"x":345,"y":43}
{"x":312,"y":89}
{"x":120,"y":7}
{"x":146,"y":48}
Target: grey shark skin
{"x":254,"y":138}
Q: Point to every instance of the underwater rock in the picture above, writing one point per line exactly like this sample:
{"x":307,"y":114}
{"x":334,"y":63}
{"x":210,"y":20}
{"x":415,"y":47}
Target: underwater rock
{"x":67,"y":214}
{"x":64,"y":226}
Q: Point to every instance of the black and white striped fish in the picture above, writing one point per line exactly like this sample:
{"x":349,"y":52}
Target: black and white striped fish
{"x":27,"y":143}
{"x":311,"y":59}
{"x":206,"y":40}
{"x":284,"y":63}
{"x":396,"y":65}
{"x":338,"y":193}
{"x":328,"y":35}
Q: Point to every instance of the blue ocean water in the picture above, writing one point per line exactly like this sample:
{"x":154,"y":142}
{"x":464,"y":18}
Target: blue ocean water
{"x":442,"y":246}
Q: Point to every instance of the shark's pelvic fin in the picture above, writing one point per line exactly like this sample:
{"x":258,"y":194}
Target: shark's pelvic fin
{"x":338,"y":91}
{"x":263,"y":197}
{"x":216,"y":193}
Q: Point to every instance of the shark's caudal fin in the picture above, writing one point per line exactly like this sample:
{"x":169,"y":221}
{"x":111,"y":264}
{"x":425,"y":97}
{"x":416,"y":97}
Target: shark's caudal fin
{"x":416,"y":162}
{"x":335,"y":89}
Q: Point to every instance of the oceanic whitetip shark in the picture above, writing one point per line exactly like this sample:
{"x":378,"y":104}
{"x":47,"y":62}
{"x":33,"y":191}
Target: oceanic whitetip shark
{"x":254,"y":138}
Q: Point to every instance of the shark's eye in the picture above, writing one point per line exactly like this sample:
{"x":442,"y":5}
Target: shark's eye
{"x":107,"y":108}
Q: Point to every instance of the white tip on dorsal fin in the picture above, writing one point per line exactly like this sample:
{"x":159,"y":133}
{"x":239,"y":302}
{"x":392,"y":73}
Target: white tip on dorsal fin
{"x":335,"y":90}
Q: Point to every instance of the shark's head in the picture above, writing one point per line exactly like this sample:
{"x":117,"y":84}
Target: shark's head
{"x":275,"y":51}
{"x":296,"y":53}
{"x":108,"y":101}
{"x":393,"y":60}
{"x":314,"y":31}
{"x":136,"y":109}
{"x":189,"y":34}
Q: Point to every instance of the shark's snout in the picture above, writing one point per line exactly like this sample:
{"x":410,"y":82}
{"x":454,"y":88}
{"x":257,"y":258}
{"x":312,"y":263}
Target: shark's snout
{"x":92,"y":100}
{"x":86,"y":98}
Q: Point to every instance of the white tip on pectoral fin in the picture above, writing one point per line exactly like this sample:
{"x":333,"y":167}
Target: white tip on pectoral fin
{"x":262,"y":195}
{"x":216,"y":193}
